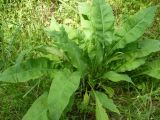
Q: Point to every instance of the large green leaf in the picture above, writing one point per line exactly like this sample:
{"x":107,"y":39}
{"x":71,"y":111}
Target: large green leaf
{"x":153,"y":69}
{"x":130,"y":65}
{"x":135,"y":27}
{"x":38,"y":110}
{"x":93,"y":46}
{"x":86,"y":26}
{"x":100,"y":111}
{"x":31,"y":69}
{"x":142,"y":48}
{"x":73,"y":52}
{"x":116,"y":77}
{"x":63,"y":86}
{"x":106,"y":102}
{"x":102,"y":19}
{"x":75,"y":55}
{"x":51,"y":50}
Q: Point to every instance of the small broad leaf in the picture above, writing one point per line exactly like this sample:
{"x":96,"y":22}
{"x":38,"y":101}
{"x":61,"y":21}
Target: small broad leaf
{"x":63,"y":86}
{"x":131,"y":65}
{"x":116,"y":77}
{"x":100,"y":111}
{"x":106,"y":102}
{"x":38,"y":110}
{"x":102,"y":19}
{"x":153,"y":69}
{"x":142,"y":48}
{"x":85,"y":100}
{"x":135,"y":27}
{"x":31,"y":69}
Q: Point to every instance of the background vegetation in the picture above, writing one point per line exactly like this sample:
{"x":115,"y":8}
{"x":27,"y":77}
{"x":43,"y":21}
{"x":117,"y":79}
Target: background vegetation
{"x":22,"y":23}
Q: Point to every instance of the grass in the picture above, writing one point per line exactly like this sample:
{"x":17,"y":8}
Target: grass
{"x":23,"y":23}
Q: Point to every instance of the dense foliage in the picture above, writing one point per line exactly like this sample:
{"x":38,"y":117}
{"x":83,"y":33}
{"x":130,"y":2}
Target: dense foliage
{"x":86,"y":60}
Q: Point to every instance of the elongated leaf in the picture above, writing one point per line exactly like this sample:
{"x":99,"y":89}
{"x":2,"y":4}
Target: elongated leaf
{"x":73,"y":52}
{"x":75,"y":55}
{"x":86,"y":26}
{"x":70,"y":104}
{"x":96,"y":54}
{"x":31,"y":69}
{"x":63,"y":86}
{"x":100,"y":111}
{"x":130,"y":65}
{"x":106,"y":102}
{"x":153,"y":69}
{"x":21,"y":56}
{"x":142,"y":48}
{"x":51,"y":50}
{"x":38,"y":110}
{"x":102,"y":19}
{"x":135,"y":27}
{"x":116,"y":77}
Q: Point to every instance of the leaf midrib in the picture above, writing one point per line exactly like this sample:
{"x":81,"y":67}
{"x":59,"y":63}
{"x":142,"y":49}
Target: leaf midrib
{"x":131,"y":29}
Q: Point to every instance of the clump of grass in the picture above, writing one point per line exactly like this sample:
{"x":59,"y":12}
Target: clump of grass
{"x":22,"y":26}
